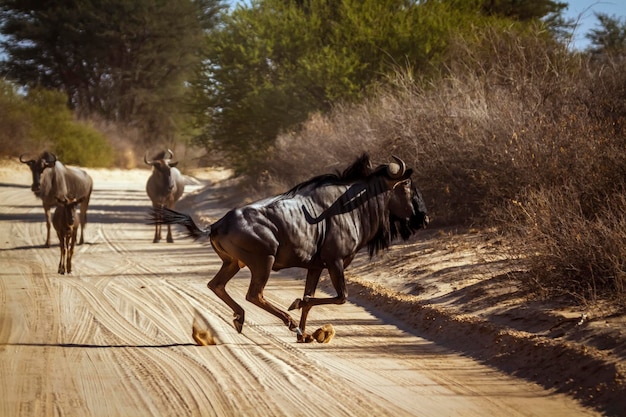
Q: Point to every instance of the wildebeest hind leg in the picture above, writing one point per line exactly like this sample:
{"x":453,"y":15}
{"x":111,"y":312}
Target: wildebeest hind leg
{"x":260,"y":274}
{"x":218,"y":286}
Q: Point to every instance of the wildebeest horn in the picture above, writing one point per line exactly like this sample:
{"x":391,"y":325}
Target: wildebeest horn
{"x":396,"y":169}
{"x":171,"y":154}
{"x":22,"y":160}
{"x":145,"y":159}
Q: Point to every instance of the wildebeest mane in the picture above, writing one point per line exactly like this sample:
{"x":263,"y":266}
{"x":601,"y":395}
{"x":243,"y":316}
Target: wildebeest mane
{"x":359,"y":170}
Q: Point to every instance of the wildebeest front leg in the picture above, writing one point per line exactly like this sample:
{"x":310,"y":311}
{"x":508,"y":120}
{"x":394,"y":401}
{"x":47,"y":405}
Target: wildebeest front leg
{"x":70,"y":252}
{"x":62,"y":247}
{"x":169,"y":234}
{"x":335,"y":270}
{"x":157,"y":226}
{"x":312,"y":279}
{"x":260,"y":270}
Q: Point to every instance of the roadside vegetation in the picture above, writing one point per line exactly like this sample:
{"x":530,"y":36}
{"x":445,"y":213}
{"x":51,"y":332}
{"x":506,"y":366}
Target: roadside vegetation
{"x":42,"y":120}
{"x":519,"y":135}
{"x":507,"y":128}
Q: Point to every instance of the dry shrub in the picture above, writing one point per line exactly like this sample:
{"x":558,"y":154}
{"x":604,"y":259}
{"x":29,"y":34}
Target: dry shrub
{"x":324,"y":144}
{"x":572,"y":250}
{"x":122,"y":139}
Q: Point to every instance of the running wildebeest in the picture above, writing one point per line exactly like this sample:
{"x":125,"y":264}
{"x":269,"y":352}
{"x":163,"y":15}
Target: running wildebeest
{"x":53,"y":181}
{"x":319,"y":224}
{"x":165,"y":187}
{"x":66,"y":221}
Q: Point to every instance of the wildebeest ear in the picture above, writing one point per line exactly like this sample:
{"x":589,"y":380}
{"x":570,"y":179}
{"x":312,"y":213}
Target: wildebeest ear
{"x":173,"y":164}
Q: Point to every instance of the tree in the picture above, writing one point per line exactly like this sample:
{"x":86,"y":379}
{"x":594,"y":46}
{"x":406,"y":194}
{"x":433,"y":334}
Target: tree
{"x":127,"y":60}
{"x":525,"y":10}
{"x":273,"y":63}
{"x":610,"y":37}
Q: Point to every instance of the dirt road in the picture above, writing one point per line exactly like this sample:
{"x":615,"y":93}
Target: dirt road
{"x":114,"y":338}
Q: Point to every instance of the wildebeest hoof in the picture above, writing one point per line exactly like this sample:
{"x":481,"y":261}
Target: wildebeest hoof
{"x":170,"y":240}
{"x":305,"y":338}
{"x":156,"y":240}
{"x":238,"y":322}
{"x":295,"y":305}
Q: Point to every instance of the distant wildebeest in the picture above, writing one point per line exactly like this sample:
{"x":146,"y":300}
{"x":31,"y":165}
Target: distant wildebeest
{"x":319,"y":224}
{"x":66,"y":222}
{"x":53,"y":181}
{"x":165,"y":187}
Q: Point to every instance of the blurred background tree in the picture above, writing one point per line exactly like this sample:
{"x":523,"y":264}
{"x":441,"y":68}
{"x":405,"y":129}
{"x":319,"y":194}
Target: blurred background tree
{"x":124,"y":60}
{"x":610,"y":37}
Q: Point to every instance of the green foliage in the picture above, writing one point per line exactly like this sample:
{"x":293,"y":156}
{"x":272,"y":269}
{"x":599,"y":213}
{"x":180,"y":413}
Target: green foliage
{"x":41,"y":120}
{"x":272,"y":64}
{"x":53,"y":127}
{"x":81,"y":144}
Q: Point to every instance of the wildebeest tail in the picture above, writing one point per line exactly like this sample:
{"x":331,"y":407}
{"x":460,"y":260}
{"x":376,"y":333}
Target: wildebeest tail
{"x":164,"y":215}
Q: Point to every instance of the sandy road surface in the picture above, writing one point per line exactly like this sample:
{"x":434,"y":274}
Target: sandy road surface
{"x":114,"y":338}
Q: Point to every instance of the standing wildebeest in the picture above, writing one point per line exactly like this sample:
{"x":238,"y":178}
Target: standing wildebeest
{"x":66,"y":221}
{"x":53,"y":181}
{"x":164,"y":187}
{"x":319,"y":224}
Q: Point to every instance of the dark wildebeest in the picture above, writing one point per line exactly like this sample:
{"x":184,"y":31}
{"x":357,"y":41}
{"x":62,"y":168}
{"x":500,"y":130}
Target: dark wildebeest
{"x":53,"y":181}
{"x":165,"y":186}
{"x":319,"y":224}
{"x":66,"y":222}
